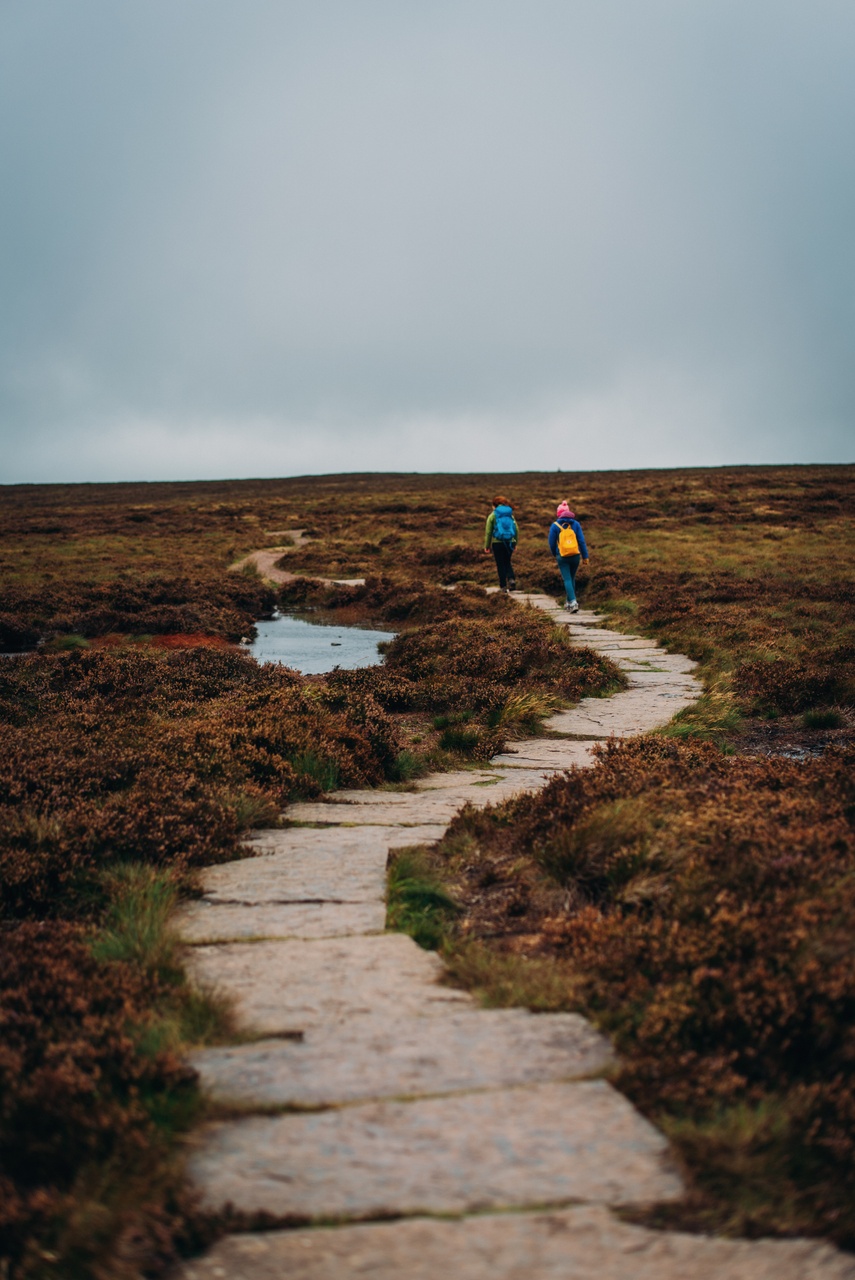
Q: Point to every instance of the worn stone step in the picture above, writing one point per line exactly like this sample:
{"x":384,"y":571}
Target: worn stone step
{"x":647,"y":678}
{"x":414,"y":808}
{"x":291,"y":985}
{"x":554,"y":754}
{"x":269,"y":840}
{"x":305,"y":883}
{"x":375,"y":1057}
{"x":586,"y":1242}
{"x":203,"y":923}
{"x":301,"y":864}
{"x":637,"y":711}
{"x":547,"y":1144}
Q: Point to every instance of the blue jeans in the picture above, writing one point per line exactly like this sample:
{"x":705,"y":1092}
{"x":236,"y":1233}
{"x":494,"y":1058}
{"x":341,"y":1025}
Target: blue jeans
{"x":569,"y":566}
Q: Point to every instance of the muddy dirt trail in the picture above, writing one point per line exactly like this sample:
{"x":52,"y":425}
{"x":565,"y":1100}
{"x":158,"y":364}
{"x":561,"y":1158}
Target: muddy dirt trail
{"x":438,"y":1137}
{"x":266,"y":561}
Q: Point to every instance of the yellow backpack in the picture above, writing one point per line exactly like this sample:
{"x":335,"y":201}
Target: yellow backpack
{"x":568,"y":543}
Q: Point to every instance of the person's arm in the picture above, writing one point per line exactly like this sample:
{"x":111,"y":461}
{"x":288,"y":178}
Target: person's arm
{"x":516,"y":536}
{"x":488,"y":530}
{"x":583,"y":546}
{"x":553,"y":537}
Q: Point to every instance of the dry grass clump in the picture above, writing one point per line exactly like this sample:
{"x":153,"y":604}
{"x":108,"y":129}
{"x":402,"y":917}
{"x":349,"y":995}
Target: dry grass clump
{"x":705,"y":920}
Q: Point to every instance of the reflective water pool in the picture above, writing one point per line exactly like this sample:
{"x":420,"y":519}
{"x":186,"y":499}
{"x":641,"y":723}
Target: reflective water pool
{"x":313,"y":647}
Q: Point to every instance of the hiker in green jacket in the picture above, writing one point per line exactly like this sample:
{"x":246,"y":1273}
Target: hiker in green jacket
{"x":500,"y":537}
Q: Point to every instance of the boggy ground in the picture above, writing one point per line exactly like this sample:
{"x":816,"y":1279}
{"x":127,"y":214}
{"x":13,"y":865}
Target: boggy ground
{"x":135,"y":752}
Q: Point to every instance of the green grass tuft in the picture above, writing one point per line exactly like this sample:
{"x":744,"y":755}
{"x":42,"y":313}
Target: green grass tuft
{"x":136,"y":928}
{"x":416,"y":901}
{"x":321,"y":770}
{"x":823,"y":719}
{"x":406,"y":767}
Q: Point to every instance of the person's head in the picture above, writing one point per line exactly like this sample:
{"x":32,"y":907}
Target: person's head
{"x":563,"y":512}
{"x":501,"y":502}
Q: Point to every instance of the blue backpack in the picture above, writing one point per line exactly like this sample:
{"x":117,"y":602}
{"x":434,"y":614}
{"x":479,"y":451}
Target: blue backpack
{"x":504,"y":529}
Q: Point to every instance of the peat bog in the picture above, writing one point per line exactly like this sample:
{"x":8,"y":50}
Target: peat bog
{"x":692,"y":892}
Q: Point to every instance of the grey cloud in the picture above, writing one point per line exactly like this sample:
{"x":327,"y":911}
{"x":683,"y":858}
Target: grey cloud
{"x":280,"y":237}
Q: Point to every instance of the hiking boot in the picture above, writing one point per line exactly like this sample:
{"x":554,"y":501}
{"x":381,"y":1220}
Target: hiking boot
{"x":512,"y":586}
{"x":572,"y":606}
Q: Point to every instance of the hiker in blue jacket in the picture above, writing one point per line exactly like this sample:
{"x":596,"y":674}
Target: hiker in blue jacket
{"x":567,"y":544}
{"x":500,"y":537}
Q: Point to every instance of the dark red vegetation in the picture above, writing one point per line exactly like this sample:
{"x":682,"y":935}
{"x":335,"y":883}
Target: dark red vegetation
{"x":705,"y":919}
{"x":225,"y":605}
{"x":76,"y":1093}
{"x":159,"y":743}
{"x":139,"y":755}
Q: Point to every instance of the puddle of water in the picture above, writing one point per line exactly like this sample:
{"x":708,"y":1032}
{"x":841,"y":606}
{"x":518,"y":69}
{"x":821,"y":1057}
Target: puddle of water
{"x":313,"y":647}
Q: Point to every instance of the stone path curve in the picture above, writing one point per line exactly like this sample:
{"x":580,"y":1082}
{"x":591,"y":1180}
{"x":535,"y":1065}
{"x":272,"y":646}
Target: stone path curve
{"x":366,"y":1090}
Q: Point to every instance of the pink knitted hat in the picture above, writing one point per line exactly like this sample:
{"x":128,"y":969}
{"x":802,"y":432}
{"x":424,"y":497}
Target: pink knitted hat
{"x":563,"y":510}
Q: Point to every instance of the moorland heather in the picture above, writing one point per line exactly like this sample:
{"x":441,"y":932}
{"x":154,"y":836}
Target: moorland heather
{"x":136,"y":736}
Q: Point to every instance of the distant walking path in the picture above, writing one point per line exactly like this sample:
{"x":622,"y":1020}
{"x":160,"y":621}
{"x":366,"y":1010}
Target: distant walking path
{"x":266,"y":562}
{"x":371,"y":1091}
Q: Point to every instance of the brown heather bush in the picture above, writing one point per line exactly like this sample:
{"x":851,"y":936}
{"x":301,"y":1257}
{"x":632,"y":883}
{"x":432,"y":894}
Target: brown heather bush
{"x":387,"y":599}
{"x":136,"y":755}
{"x":467,"y":668}
{"x":76,"y":1095}
{"x":784,"y":686}
{"x":708,"y":925}
{"x":510,"y":654}
{"x":214,"y":604}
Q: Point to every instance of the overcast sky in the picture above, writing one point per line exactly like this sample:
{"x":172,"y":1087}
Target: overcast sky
{"x":258,"y":237}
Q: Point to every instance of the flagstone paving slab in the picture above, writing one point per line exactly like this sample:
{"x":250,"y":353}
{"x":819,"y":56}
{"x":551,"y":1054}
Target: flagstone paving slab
{"x":586,"y":1242}
{"x":305,"y":865}
{"x":548,"y":1143}
{"x":640,"y":710}
{"x":273,"y":840}
{"x":388,"y":810}
{"x":556,"y":754}
{"x":402,"y":1056}
{"x":414,"y":808}
{"x":293,"y":984}
{"x":201,"y":922}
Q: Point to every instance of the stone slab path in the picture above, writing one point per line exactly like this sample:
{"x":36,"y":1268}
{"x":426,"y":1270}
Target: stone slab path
{"x":366,"y":1089}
